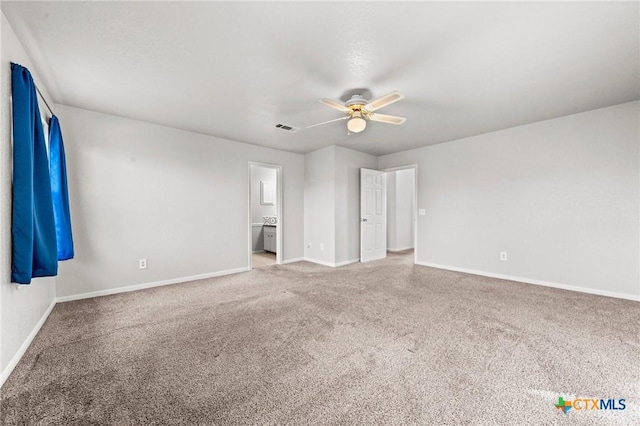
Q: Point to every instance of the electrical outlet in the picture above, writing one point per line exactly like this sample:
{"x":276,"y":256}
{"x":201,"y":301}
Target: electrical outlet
{"x":422,"y":212}
{"x":321,"y":247}
{"x":503,"y":255}
{"x":142,"y":263}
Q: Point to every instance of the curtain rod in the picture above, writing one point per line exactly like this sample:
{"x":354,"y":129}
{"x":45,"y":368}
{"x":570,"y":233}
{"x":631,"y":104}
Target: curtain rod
{"x":45,"y":101}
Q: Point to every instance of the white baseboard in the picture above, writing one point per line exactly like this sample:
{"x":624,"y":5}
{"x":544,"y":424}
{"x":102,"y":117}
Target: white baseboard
{"x":535,"y":282}
{"x":331,"y":264}
{"x":347,"y":262}
{"x":149,"y":285}
{"x":399,"y":249}
{"x":25,"y":345}
{"x":319,"y":262}
{"x":297,"y":259}
{"x":258,"y":251}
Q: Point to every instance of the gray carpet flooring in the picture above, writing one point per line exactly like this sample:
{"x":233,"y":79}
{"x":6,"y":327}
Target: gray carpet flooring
{"x":385,"y":342}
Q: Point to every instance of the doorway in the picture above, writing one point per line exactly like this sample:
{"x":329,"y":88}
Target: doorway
{"x":265,"y":215}
{"x":402,"y":199}
{"x":388,"y":206}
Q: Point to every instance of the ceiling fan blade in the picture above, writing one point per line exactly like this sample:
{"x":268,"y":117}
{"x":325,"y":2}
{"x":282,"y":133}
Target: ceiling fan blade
{"x":389,"y":119}
{"x":327,"y":122}
{"x":336,"y":105}
{"x":384,"y":101}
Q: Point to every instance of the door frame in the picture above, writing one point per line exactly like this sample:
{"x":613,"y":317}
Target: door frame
{"x":415,"y":204}
{"x":279,"y":247}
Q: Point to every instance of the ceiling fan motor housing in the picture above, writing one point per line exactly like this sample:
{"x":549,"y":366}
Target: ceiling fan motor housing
{"x":356,"y":100}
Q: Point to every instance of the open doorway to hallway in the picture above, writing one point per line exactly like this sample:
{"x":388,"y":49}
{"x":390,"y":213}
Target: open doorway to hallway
{"x":401,"y":209}
{"x":265,"y":215}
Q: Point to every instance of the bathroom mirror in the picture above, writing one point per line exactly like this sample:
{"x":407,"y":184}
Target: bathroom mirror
{"x":267,"y":194}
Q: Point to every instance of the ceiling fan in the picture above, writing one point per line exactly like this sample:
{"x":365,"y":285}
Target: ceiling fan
{"x":358,"y":110}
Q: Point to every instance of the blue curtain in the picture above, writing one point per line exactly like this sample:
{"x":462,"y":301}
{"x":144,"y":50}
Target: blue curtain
{"x":58,"y":172}
{"x":34,"y":251}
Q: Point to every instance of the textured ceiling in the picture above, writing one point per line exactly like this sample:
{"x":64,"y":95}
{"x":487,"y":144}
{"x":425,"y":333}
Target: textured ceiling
{"x":234,"y":70}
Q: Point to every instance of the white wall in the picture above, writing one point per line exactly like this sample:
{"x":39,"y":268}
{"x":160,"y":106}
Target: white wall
{"x":347,"y":201}
{"x":400,"y":209}
{"x":561,"y":197}
{"x":258,"y":211}
{"x":319,"y":202}
{"x":332,"y":204}
{"x":404,"y":208}
{"x":21,"y":307}
{"x":179,"y":199}
{"x":391,"y":210}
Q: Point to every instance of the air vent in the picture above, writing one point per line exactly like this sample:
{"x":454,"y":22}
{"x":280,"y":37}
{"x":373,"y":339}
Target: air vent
{"x":286,"y":128}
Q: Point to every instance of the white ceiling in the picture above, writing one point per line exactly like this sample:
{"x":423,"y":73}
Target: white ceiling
{"x":234,"y":70}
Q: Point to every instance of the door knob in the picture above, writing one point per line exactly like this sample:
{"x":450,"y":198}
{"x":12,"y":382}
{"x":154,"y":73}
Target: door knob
{"x":364,"y":219}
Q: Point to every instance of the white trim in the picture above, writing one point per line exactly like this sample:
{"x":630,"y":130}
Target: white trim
{"x":25,"y":345}
{"x":535,"y":282}
{"x":320,"y":262}
{"x":250,"y":230}
{"x":346,"y":262}
{"x":150,"y":285}
{"x":257,"y":225}
{"x":331,"y":264}
{"x":405,"y":167}
{"x":399,"y":249}
{"x":279,"y":208}
{"x":297,"y":259}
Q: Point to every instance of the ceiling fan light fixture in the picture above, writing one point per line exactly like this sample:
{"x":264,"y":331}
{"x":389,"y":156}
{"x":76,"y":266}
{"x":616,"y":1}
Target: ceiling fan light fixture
{"x":356,"y":124}
{"x":358,"y":111}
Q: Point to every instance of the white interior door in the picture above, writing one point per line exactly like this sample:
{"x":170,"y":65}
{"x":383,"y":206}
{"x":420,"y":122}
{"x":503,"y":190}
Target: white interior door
{"x":373,"y":215}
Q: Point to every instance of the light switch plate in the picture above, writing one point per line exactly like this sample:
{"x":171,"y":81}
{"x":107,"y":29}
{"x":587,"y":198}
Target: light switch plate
{"x":422,"y":212}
